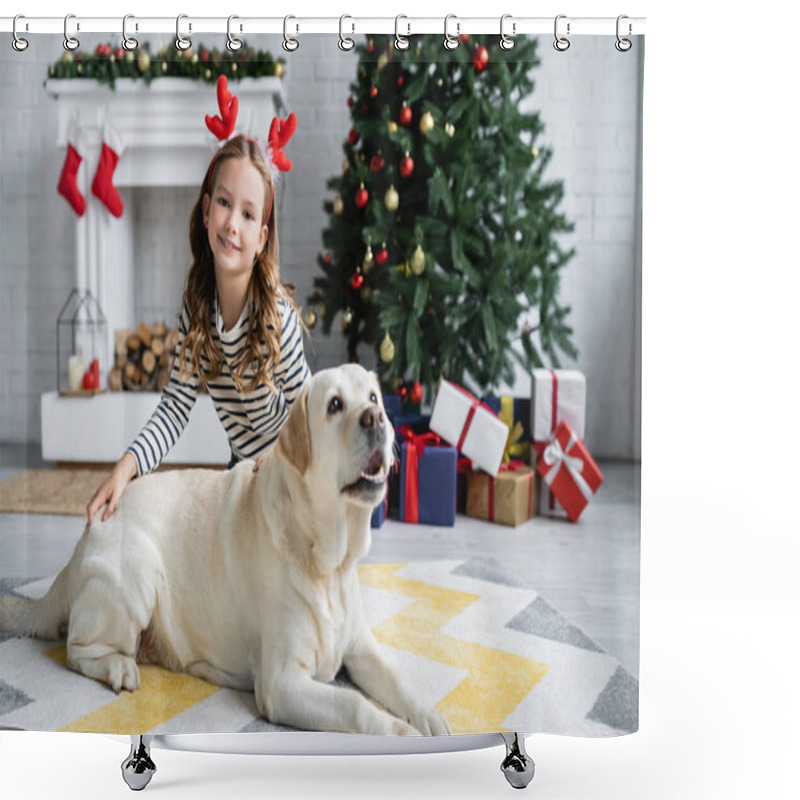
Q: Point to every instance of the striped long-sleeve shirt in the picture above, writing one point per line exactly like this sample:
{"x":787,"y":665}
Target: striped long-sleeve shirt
{"x":252,"y":420}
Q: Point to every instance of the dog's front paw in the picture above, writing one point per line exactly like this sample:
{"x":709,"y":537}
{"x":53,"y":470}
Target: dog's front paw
{"x":430,"y":722}
{"x":123,"y":673}
{"x":400,"y":728}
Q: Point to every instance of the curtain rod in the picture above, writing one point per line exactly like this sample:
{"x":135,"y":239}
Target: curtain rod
{"x":453,"y":25}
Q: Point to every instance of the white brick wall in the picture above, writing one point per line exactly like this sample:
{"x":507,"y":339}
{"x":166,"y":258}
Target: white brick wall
{"x":589,"y":99}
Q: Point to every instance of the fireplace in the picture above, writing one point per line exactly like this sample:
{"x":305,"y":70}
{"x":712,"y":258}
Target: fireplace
{"x":166,"y":147}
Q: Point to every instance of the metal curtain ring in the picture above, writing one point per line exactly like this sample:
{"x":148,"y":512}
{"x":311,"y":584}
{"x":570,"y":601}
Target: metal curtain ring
{"x":181,"y":42}
{"x":561,"y":43}
{"x":450,"y":42}
{"x":401,"y":42}
{"x":345,"y":43}
{"x":623,"y":45}
{"x":18,"y":43}
{"x":289,"y":44}
{"x":506,"y":42}
{"x":70,"y":42}
{"x":128,"y":43}
{"x":233,"y":44}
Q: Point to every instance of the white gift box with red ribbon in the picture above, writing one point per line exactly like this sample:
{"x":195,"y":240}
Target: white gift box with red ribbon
{"x":556,"y":394}
{"x":470,"y":426}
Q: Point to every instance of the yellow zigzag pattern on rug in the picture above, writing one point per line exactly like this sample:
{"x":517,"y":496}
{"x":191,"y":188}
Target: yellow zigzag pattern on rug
{"x":496,"y":681}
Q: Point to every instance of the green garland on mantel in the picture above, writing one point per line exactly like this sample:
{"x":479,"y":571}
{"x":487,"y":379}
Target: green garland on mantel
{"x":107,"y":63}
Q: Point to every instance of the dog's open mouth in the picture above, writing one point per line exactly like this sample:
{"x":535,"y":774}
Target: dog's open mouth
{"x":373,"y":475}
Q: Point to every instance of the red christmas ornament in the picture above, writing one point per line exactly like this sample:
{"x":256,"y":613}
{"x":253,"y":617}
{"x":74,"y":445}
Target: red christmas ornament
{"x":119,"y":54}
{"x":327,"y":258}
{"x":382,"y":256}
{"x":373,"y":92}
{"x":480,"y":59}
{"x":349,"y":101}
{"x":377,"y":163}
{"x":405,"y":114}
{"x":402,"y":391}
{"x":357,"y":281}
{"x":407,"y":166}
{"x":362,"y":197}
{"x":400,"y":81}
{"x":204,"y":54}
{"x":352,"y":137}
{"x":364,"y":108}
{"x":464,"y":37}
{"x":371,"y":47}
{"x":415,"y":395}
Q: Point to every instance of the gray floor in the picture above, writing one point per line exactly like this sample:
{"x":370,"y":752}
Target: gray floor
{"x":588,"y":571}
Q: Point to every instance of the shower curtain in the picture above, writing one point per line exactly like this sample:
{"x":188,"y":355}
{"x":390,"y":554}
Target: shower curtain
{"x":464,"y":222}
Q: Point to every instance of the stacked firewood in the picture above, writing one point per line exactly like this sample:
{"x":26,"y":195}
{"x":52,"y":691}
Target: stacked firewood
{"x":142,"y":358}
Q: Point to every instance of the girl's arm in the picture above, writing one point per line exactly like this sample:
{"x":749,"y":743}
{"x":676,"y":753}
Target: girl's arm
{"x":171,"y":416}
{"x":155,"y":439}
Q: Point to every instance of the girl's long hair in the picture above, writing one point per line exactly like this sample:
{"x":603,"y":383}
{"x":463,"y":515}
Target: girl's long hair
{"x":262,"y":352}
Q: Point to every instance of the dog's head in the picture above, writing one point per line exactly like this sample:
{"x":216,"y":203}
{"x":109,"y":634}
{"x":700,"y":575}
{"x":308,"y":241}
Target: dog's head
{"x":338,"y":435}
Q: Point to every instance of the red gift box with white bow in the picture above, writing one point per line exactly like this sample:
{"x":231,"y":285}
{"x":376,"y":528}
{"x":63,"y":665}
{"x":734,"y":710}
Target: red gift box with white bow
{"x":569,"y":471}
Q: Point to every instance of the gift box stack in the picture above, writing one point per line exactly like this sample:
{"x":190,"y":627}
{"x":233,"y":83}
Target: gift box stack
{"x":502,"y":459}
{"x":569,"y":475}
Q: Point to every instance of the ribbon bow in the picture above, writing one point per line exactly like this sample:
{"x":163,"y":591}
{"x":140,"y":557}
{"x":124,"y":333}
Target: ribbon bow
{"x":554,"y":456}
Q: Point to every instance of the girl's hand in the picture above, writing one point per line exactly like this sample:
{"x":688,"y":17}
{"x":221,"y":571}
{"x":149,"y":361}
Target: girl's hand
{"x":112,"y":488}
{"x":259,"y":461}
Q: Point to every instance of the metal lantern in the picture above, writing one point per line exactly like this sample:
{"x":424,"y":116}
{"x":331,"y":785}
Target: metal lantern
{"x":82,"y":345}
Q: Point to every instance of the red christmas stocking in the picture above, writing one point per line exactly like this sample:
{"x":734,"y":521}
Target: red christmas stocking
{"x":102,"y":186}
{"x":68,"y":183}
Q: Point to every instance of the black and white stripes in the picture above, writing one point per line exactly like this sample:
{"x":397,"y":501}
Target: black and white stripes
{"x":253,"y":420}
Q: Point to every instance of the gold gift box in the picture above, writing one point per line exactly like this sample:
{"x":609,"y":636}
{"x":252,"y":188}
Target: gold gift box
{"x":509,"y":499}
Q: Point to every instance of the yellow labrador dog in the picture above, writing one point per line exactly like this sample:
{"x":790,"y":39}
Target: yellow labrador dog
{"x":247,"y":579}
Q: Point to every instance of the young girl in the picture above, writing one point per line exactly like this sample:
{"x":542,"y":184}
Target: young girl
{"x":240,"y":333}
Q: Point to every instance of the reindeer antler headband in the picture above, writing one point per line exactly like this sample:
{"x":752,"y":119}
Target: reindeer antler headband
{"x":223,"y":127}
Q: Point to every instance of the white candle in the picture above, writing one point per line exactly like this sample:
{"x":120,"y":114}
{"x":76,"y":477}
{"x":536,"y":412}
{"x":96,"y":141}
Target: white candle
{"x":75,"y":373}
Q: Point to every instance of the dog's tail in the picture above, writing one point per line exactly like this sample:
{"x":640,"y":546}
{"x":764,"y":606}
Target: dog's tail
{"x":44,"y":618}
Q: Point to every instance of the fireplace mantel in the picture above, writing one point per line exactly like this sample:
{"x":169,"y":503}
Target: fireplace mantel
{"x":165,"y":143}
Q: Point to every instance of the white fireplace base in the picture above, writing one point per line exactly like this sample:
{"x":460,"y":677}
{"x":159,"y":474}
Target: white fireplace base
{"x":100,"y":428}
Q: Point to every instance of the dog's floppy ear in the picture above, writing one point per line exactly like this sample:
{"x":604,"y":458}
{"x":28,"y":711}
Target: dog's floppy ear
{"x":294,"y":443}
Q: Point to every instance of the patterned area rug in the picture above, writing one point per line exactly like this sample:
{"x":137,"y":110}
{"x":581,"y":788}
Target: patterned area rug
{"x":50,"y":491}
{"x":489,"y":654}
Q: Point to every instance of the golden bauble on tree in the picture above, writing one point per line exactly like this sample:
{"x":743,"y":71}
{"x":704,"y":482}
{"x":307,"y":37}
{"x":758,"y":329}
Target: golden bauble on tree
{"x":143,"y":61}
{"x":369,"y":260}
{"x":418,"y":261}
{"x":310,"y":318}
{"x":338,"y":205}
{"x":426,"y":122}
{"x":347,"y":319}
{"x":279,"y":69}
{"x":366,"y":294}
{"x":387,"y":349}
{"x":391,"y":199}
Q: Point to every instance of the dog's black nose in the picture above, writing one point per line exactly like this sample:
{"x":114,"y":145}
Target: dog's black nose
{"x":372,"y":419}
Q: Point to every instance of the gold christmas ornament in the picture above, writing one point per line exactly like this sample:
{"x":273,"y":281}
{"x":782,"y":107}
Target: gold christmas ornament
{"x":321,"y":310}
{"x":310,"y":318}
{"x":279,"y":69}
{"x":369,"y":260}
{"x":143,"y":61}
{"x":395,"y":383}
{"x":391,"y":199}
{"x":347,"y":319}
{"x":383,"y":60}
{"x":366,"y":294}
{"x":450,"y":129}
{"x":392,"y":127}
{"x":68,"y":57}
{"x":387,"y":349}
{"x":338,"y":205}
{"x":535,"y":151}
{"x":426,"y":122}
{"x":418,"y":261}
{"x":345,"y":167}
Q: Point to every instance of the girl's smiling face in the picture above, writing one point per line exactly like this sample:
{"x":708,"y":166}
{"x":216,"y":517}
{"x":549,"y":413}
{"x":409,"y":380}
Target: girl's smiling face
{"x":232,"y":213}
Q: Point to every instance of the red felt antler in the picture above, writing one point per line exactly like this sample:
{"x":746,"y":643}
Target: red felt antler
{"x":280,"y":132}
{"x":222,"y":126}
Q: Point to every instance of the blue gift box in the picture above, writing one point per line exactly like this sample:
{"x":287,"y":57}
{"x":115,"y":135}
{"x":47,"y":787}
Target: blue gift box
{"x":379,"y":512}
{"x":522,"y":412}
{"x":437,"y":485}
{"x":419,"y":423}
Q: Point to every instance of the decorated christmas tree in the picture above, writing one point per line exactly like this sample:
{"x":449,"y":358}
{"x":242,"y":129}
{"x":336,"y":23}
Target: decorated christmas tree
{"x":443,"y":244}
